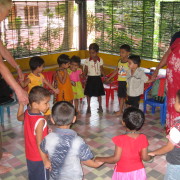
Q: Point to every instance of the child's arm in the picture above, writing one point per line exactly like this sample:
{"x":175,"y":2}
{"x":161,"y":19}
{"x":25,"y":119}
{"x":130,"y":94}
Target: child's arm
{"x":56,"y":91}
{"x":25,"y":82}
{"x":85,"y":70}
{"x":102,"y":70}
{"x":20,"y":113}
{"x":113,"y":74}
{"x":144,"y":155}
{"x":61,"y":78}
{"x":163,"y":150}
{"x":39,"y":135}
{"x":112,"y":159}
{"x":92,"y":163}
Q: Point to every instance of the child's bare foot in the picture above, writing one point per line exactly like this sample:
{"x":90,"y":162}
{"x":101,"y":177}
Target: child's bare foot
{"x":100,"y":109}
{"x":88,"y":110}
{"x":118,"y":113}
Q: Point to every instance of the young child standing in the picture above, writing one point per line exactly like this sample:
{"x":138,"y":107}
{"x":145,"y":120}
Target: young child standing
{"x":130,"y":148}
{"x":63,"y":79}
{"x":135,"y":81}
{"x":94,"y":69}
{"x":65,"y":149}
{"x":121,"y":70}
{"x":35,"y":129}
{"x":172,"y":148}
{"x":75,"y":72}
{"x":36,"y":78}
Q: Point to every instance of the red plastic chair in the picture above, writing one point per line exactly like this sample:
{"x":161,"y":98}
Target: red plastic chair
{"x":49,"y":76}
{"x":110,"y":88}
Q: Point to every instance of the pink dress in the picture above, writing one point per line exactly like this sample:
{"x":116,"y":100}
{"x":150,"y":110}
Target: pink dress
{"x":173,"y":81}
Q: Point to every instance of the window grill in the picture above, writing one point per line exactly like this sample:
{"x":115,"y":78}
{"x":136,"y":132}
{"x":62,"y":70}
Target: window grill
{"x":125,"y":22}
{"x":39,"y":27}
{"x":169,"y":24}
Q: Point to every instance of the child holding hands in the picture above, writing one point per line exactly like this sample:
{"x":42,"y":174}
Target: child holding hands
{"x":130,"y":148}
{"x":65,"y":149}
{"x":36,"y":78}
{"x":135,"y":81}
{"x":121,"y":70}
{"x":35,"y":129}
{"x":63,"y":79}
{"x":94,"y":69}
{"x":75,"y":74}
{"x":172,"y":148}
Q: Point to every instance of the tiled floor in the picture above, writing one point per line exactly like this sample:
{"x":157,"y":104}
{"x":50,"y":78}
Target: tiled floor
{"x":97,"y":130}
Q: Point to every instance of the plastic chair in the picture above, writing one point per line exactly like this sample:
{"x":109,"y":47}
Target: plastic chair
{"x":154,"y":104}
{"x":49,"y":76}
{"x":110,"y":88}
{"x":7,"y":106}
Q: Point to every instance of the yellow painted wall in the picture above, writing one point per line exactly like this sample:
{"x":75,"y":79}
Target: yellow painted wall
{"x":51,"y":60}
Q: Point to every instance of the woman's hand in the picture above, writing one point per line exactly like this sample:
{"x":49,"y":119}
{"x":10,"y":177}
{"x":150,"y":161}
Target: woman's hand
{"x":22,"y":96}
{"x":20,"y":74}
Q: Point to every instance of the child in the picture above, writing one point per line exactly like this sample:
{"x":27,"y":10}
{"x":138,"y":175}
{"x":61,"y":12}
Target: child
{"x":121,"y":70}
{"x":130,"y":148}
{"x":135,"y":81}
{"x":36,"y":78}
{"x":94,"y":68}
{"x":172,"y":148}
{"x":35,"y":129}
{"x":65,"y":149}
{"x":63,"y":79}
{"x":75,"y":72}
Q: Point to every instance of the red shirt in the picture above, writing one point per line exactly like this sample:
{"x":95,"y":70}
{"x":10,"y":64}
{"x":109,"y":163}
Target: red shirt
{"x":30,"y":123}
{"x":130,"y":159}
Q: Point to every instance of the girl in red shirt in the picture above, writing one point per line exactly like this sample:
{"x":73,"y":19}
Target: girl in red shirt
{"x":130,"y":148}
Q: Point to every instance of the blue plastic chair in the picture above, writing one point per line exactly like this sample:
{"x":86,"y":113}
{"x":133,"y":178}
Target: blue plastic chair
{"x":154,"y":104}
{"x":7,"y":106}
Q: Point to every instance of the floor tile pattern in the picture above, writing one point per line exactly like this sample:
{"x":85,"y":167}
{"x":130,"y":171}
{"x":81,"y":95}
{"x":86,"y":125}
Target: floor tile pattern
{"x":97,"y":130}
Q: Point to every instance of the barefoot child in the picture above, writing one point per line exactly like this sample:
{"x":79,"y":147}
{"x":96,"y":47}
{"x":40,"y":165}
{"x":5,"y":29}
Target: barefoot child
{"x":75,"y":72}
{"x":172,"y":148}
{"x":64,"y":147}
{"x":94,"y":69}
{"x":121,"y":70}
{"x":35,"y":129}
{"x":135,"y":81}
{"x":63,"y":79}
{"x":130,"y":148}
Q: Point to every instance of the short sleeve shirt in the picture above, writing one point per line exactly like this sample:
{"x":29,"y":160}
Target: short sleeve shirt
{"x":35,"y":81}
{"x":66,"y":150}
{"x":75,"y":76}
{"x":122,"y":70}
{"x":173,"y":157}
{"x":94,"y":68}
{"x":130,"y":159}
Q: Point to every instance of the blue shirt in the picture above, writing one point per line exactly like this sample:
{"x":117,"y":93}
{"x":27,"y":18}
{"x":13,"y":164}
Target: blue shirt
{"x":66,"y":150}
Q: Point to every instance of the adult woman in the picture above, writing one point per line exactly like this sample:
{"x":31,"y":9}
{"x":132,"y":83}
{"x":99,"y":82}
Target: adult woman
{"x":5,"y":6}
{"x":172,"y":60}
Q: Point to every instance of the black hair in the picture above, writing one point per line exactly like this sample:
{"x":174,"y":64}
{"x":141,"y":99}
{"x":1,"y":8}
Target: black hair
{"x":63,"y":59}
{"x":37,"y":94}
{"x":135,"y":59}
{"x":35,"y":62}
{"x":125,"y":47}
{"x":178,"y":95}
{"x":94,"y":47}
{"x":133,"y":118}
{"x":63,"y":113}
{"x":76,"y":59}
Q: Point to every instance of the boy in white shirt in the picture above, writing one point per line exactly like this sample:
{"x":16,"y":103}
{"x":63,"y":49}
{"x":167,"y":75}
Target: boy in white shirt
{"x":135,"y":81}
